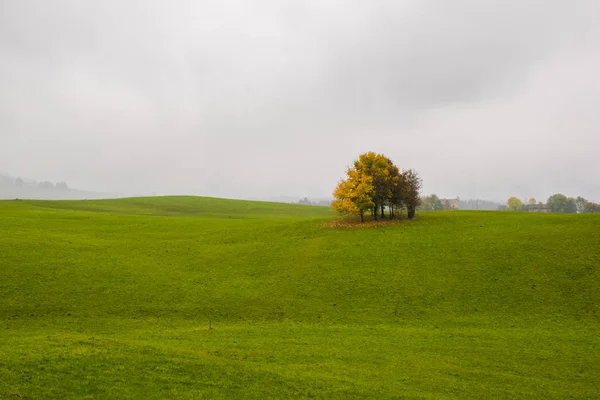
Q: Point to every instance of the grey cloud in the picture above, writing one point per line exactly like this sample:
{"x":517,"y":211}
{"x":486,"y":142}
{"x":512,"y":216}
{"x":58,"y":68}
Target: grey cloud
{"x":250,"y":98}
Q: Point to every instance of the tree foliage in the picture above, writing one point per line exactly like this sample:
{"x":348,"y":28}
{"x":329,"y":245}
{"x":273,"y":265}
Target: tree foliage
{"x":514,"y":204}
{"x":46,"y":185}
{"x":412,"y":186}
{"x":431,"y":203}
{"x":591,"y":207}
{"x":580,"y":204}
{"x":62,"y":186}
{"x":571,"y":206}
{"x":557,"y":202}
{"x":373,"y":184}
{"x":354,"y":195}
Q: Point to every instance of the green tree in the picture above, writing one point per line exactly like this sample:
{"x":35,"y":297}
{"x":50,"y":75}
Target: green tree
{"x":580,"y":204}
{"x":412,"y":187}
{"x":514,"y":204}
{"x":425,"y":204}
{"x":396,"y":185}
{"x":437,"y":203}
{"x":377,"y":167}
{"x":571,"y":206}
{"x":557,"y":203}
{"x":431,"y":202}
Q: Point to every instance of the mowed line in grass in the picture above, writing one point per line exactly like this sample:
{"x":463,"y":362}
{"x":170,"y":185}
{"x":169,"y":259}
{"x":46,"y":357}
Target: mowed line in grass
{"x":451,"y":305}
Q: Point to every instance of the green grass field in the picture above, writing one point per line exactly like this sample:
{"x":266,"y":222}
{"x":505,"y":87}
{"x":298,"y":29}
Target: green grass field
{"x":114,"y":298}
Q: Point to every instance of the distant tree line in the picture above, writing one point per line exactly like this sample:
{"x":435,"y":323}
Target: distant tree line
{"x":306,"y":201}
{"x":21,"y":188}
{"x":434,"y":203}
{"x":431,"y":203}
{"x":373,"y":184}
{"x":557,"y":203}
{"x":478,"y":204}
{"x":8,"y":182}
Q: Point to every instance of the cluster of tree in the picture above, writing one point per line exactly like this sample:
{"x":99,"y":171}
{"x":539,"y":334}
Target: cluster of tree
{"x":373,"y":184}
{"x":561,"y":203}
{"x":558,"y":203}
{"x":478,"y":204}
{"x":308,"y":202}
{"x":431,"y":203}
{"x":6,"y":181}
{"x":19,"y":188}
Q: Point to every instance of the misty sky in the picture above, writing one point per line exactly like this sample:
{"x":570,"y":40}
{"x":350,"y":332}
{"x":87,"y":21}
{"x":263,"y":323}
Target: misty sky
{"x":262,"y":98}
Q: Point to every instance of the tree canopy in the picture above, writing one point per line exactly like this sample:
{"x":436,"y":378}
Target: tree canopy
{"x":558,"y":203}
{"x":514,"y":204}
{"x":431,"y":202}
{"x":374,"y":183}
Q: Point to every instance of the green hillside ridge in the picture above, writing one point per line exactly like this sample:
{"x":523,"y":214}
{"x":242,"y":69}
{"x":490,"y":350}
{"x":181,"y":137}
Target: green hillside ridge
{"x":208,"y":207}
{"x":114,"y":299}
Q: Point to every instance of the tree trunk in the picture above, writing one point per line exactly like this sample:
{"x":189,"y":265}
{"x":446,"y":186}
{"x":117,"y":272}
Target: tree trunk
{"x":375,"y":213}
{"x":382,"y":211}
{"x":362,"y":216}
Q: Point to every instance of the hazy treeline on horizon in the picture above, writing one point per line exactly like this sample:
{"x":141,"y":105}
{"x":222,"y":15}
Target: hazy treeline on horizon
{"x":24,"y":188}
{"x":19,"y":188}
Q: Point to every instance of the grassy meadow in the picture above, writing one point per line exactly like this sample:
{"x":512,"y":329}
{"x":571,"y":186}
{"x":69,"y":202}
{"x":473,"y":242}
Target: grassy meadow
{"x":189,"y":297}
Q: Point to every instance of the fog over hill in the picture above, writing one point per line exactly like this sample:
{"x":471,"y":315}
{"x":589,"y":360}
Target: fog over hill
{"x":18,"y":188}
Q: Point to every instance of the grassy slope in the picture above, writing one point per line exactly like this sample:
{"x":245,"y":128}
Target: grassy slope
{"x":113,"y":299}
{"x":207,"y":207}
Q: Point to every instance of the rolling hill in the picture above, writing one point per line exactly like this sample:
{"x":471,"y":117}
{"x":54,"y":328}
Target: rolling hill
{"x":190,"y":297}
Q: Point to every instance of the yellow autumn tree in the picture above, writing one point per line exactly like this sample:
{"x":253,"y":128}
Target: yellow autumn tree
{"x":354,"y":195}
{"x":374,"y":183}
{"x":514,"y":204}
{"x":376,"y":166}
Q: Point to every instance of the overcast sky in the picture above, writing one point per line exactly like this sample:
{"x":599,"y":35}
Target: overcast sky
{"x":262,"y":98}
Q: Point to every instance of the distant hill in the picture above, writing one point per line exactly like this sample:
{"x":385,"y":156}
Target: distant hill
{"x":193,"y":206}
{"x":18,"y":188}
